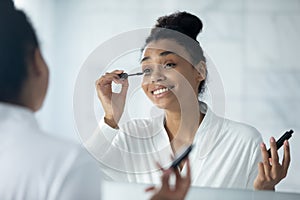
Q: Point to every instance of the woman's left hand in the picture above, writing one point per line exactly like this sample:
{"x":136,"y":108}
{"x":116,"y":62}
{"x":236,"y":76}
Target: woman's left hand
{"x":270,"y":171}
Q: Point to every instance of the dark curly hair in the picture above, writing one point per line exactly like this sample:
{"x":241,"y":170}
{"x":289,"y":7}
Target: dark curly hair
{"x":188,"y":27}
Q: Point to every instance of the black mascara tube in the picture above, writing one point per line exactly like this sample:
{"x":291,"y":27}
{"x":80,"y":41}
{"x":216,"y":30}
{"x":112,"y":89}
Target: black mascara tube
{"x":287,"y":135}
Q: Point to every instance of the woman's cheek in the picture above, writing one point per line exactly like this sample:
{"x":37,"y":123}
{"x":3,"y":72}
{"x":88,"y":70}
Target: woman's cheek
{"x":144,"y":86}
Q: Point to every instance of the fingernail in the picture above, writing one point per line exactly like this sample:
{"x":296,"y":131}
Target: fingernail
{"x":262,"y":145}
{"x":287,"y":143}
{"x":272,"y":139}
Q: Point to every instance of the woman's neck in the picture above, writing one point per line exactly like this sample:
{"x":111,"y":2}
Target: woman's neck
{"x":182,"y":123}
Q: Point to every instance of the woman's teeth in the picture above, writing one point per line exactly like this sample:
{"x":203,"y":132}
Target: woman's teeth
{"x":159,"y":91}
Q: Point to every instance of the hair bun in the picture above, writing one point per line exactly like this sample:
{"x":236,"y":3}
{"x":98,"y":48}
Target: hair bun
{"x":183,"y":22}
{"x":7,"y":6}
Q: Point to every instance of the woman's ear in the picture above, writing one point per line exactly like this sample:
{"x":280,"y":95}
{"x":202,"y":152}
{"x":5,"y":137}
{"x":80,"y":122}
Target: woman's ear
{"x":37,"y":63}
{"x":201,"y":71}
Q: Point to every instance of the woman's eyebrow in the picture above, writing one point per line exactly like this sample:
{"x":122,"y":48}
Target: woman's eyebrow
{"x":164,"y":53}
{"x":145,"y":58}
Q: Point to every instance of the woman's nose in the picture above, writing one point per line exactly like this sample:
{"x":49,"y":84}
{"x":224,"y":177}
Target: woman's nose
{"x":157,"y":76}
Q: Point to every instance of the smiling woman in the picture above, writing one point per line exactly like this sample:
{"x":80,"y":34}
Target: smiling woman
{"x":226,"y":153}
{"x":162,"y":73}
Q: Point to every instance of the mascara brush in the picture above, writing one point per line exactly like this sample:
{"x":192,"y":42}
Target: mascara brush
{"x":124,"y":76}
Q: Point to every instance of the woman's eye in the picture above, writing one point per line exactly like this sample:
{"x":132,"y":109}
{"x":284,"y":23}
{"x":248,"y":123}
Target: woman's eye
{"x":169,"y":65}
{"x":146,"y":71}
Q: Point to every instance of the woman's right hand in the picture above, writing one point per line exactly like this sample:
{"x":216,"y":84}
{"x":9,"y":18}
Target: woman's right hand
{"x":112,"y":103}
{"x":176,"y":192}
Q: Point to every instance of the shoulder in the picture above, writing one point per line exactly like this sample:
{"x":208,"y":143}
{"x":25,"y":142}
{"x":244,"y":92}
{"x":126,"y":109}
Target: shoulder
{"x":50,"y":141}
{"x":229,"y":129}
{"x":232,"y":130}
{"x":56,"y":150}
{"x":243,"y":131}
{"x":65,"y":158}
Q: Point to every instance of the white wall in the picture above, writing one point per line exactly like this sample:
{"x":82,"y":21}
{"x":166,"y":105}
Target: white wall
{"x":254,"y":43}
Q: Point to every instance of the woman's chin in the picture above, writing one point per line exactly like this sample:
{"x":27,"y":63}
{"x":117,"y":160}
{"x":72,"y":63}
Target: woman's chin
{"x":163,"y":104}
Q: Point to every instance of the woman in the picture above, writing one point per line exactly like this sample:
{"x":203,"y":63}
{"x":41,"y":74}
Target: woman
{"x":35,"y":165}
{"x":226,"y":153}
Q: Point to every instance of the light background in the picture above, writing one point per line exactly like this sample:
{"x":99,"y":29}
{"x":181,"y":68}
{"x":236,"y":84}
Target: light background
{"x":255,"y":45}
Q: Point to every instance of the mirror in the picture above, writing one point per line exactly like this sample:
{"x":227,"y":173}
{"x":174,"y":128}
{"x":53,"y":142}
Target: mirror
{"x":255,"y":49}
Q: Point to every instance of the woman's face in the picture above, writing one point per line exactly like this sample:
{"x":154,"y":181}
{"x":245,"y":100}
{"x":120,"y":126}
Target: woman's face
{"x":168,"y":76}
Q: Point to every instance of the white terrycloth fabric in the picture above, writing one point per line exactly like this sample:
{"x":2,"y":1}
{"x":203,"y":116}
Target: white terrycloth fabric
{"x":34,"y":165}
{"x":225,"y":154}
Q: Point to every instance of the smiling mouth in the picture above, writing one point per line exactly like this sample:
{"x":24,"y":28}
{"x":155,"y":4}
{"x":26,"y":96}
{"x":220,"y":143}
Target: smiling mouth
{"x":162,"y":90}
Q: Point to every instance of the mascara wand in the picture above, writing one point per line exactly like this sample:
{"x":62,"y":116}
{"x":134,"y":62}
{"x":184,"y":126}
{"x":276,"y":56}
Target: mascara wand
{"x":124,"y":76}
